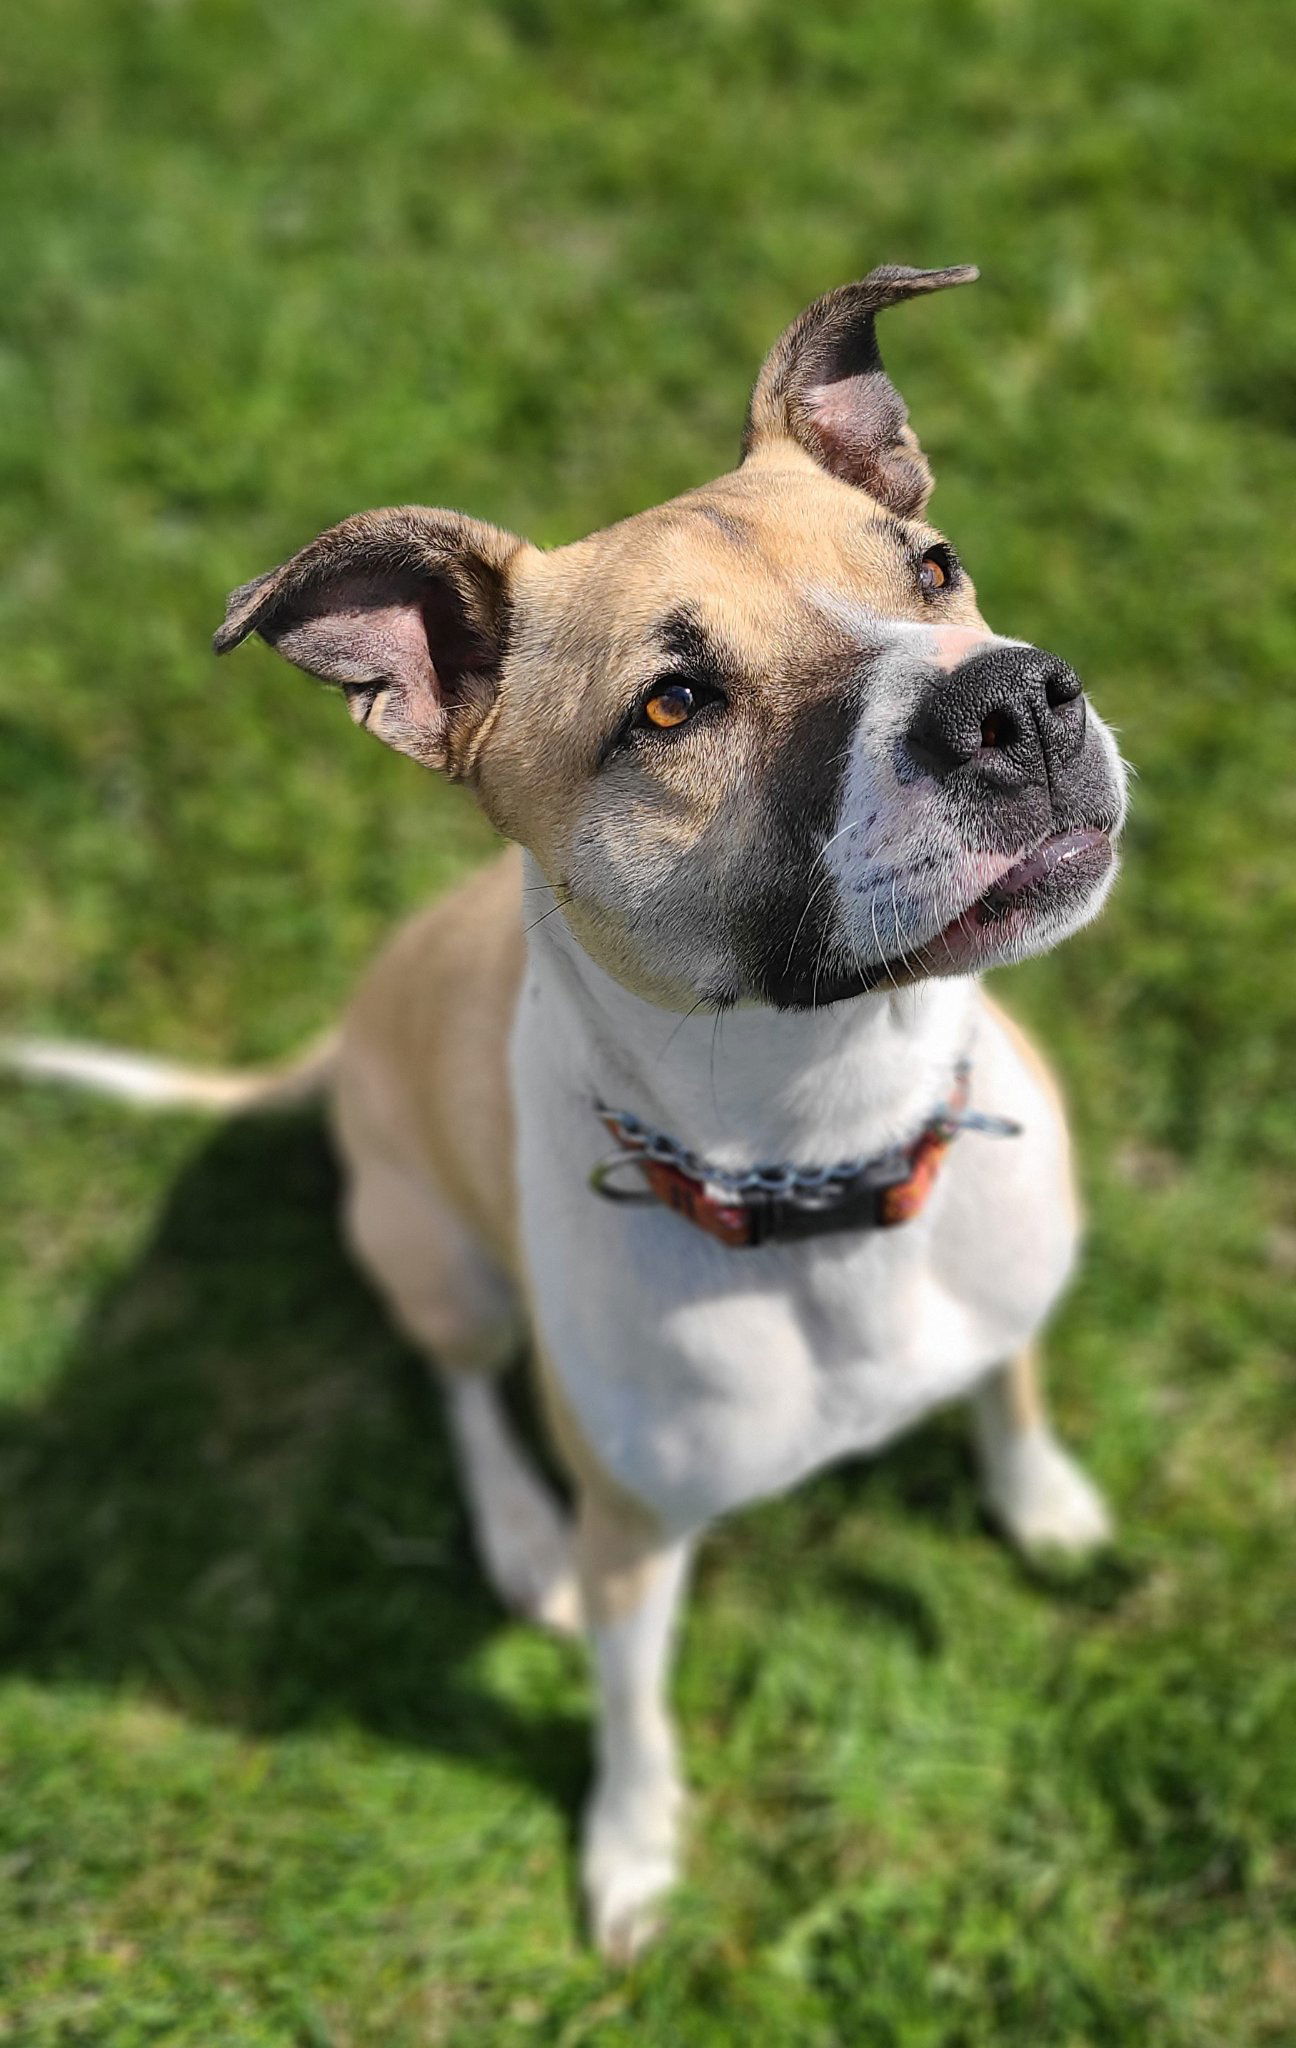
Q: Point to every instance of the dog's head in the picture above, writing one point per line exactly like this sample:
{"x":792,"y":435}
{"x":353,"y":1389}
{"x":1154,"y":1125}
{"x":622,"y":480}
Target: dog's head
{"x":760,"y":739}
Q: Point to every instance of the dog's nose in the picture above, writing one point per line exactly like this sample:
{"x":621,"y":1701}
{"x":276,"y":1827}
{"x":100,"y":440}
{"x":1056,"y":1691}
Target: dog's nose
{"x":1007,"y":715}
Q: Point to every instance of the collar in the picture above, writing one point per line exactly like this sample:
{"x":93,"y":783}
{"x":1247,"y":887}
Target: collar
{"x":768,"y":1204}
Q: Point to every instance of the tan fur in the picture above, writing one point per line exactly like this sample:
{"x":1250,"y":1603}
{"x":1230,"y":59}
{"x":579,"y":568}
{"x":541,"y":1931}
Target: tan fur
{"x":1023,"y":1387}
{"x":870,"y":792}
{"x":746,"y":549}
{"x":618,"y":1553}
{"x":421,"y":1095}
{"x":422,"y":1075}
{"x":778,"y":595}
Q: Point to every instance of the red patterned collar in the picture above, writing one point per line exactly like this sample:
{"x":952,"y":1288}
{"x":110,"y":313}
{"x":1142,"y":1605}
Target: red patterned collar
{"x":777,"y":1204}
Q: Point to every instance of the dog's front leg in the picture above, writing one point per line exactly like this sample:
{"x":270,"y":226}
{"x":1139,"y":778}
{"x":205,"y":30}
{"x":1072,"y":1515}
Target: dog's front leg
{"x":632,"y":1579}
{"x":1034,"y":1488}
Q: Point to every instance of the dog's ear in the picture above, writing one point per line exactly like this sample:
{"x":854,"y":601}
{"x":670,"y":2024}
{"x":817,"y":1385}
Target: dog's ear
{"x":824,"y":387}
{"x":406,"y":610}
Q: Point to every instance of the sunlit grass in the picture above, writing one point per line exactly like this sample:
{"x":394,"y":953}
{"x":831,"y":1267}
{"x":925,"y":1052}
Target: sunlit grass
{"x":274,"y":1769}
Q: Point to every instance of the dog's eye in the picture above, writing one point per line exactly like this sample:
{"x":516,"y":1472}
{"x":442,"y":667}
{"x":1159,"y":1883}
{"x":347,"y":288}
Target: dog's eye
{"x":671,"y":701}
{"x":670,"y":704}
{"x":937,"y":570}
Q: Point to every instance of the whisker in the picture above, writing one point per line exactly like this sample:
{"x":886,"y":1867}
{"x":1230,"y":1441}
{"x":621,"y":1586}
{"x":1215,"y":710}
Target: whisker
{"x":814,"y":981}
{"x":715,"y":1039}
{"x":881,"y":950}
{"x":905,"y":954}
{"x":543,"y":915}
{"x":682,"y":1022}
{"x":819,"y":887}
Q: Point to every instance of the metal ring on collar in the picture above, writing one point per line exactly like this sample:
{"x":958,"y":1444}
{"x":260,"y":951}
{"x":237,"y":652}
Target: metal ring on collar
{"x":602,"y":1184}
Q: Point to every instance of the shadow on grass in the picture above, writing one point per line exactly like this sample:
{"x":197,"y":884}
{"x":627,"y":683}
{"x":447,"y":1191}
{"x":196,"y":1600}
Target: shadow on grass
{"x":240,"y":1496}
{"x":239,"y":1493}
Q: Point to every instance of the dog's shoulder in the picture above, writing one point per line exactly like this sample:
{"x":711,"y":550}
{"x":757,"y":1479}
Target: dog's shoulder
{"x":426,"y":1039}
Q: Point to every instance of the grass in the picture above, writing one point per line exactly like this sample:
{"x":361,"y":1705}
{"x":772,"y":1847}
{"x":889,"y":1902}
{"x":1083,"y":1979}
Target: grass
{"x":274,"y":1769}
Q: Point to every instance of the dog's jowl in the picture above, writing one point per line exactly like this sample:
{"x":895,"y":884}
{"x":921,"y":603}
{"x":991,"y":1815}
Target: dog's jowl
{"x":694,"y":1093}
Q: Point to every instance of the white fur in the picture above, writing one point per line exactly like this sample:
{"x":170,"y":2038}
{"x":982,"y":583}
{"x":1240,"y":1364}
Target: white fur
{"x":129,"y":1076}
{"x":1033,"y":1486}
{"x":163,"y":1084}
{"x":705,"y":1377}
{"x":522,"y":1538}
{"x":630,"y":1854}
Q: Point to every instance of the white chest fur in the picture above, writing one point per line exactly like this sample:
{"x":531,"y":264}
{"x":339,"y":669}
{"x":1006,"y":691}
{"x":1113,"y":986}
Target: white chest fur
{"x":703,"y":1377}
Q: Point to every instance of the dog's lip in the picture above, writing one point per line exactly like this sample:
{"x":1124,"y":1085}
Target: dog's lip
{"x":1045,"y":862}
{"x":1060,"y":871}
{"x":1081,"y":854}
{"x":977,"y":936}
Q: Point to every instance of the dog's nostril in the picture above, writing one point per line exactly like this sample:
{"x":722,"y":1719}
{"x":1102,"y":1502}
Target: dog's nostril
{"x":1000,"y":728}
{"x":1063,"y":686}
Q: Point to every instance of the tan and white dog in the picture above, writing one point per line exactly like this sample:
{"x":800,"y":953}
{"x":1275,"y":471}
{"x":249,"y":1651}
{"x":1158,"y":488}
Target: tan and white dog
{"x":778,"y":795}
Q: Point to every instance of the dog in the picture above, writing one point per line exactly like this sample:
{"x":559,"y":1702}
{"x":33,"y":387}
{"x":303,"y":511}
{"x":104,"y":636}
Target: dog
{"x":695,"y":1090}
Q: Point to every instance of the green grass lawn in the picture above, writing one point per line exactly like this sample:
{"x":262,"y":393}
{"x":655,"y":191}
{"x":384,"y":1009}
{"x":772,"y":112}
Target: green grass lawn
{"x":273,"y":1769}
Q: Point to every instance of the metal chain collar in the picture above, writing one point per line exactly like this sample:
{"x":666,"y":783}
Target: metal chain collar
{"x":883,"y":1169}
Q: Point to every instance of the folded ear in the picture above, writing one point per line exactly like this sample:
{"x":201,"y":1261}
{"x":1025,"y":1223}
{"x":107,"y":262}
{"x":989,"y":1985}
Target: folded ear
{"x":823,"y":386}
{"x":405,"y":610}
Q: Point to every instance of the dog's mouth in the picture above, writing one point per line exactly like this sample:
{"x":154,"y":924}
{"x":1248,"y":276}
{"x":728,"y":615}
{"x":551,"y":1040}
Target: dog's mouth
{"x":1031,"y":904}
{"x":1054,"y":877}
{"x":1047,"y":885}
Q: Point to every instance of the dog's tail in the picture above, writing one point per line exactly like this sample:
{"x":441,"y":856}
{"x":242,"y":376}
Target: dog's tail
{"x":161,"y":1084}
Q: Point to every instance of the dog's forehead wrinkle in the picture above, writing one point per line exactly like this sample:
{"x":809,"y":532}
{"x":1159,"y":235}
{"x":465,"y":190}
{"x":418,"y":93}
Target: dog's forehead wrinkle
{"x":740,"y":551}
{"x":725,"y":519}
{"x":685,"y":636}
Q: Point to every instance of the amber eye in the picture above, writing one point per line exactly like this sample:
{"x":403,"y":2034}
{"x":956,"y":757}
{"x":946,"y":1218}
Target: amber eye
{"x":670,"y":705}
{"x":935,"y":571}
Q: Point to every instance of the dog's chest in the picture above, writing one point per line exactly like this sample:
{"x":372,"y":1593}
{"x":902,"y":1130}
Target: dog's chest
{"x":702,"y":1378}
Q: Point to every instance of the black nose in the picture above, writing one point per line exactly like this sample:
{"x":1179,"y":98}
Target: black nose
{"x":1009,"y":716}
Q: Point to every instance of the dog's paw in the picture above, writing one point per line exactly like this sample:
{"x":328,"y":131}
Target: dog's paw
{"x":631,"y":1862}
{"x":1044,"y":1502}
